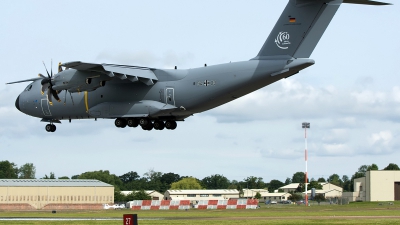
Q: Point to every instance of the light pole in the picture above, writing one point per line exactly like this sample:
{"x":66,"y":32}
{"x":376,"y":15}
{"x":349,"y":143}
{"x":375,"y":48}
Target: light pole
{"x":306,"y":125}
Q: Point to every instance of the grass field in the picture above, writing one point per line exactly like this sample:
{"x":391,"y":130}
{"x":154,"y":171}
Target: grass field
{"x":354,"y":213}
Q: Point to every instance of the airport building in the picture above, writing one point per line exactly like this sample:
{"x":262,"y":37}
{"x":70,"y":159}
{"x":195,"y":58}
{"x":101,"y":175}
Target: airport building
{"x":25,"y":194}
{"x":377,"y":185}
{"x":197,"y":195}
{"x":155,"y":195}
{"x":265,"y":195}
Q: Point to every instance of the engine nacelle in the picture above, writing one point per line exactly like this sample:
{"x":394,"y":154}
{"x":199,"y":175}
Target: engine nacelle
{"x":77,"y":81}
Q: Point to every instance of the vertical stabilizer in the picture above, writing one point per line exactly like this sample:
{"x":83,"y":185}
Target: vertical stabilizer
{"x":300,"y":27}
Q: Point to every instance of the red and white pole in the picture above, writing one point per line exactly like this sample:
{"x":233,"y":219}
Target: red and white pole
{"x":305,"y":126}
{"x":306,"y":156}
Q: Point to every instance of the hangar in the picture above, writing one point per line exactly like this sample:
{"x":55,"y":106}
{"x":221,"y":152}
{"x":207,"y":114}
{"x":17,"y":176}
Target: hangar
{"x":377,"y":185}
{"x":52,"y":194}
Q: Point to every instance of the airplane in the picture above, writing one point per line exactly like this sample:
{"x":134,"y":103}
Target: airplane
{"x":157,"y":98}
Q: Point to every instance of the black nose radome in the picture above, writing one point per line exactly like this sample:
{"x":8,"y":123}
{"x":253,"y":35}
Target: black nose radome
{"x":17,"y":103}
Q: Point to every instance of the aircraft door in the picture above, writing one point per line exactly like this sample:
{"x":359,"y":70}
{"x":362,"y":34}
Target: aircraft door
{"x":45,"y":107}
{"x":170,"y":96}
{"x":162,"y":98}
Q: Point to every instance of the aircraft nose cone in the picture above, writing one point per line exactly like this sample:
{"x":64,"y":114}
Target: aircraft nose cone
{"x":17,"y":104}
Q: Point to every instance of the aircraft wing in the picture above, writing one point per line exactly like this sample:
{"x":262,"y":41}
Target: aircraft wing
{"x":131,"y":73}
{"x":365,"y":2}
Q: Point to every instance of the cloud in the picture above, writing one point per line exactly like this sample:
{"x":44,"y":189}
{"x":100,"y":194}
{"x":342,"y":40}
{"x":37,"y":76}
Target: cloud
{"x":289,"y":98}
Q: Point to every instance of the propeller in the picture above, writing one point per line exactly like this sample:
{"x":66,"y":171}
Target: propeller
{"x":47,"y":85}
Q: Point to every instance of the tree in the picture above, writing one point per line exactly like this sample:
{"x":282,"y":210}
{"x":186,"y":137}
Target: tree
{"x":335,"y":179}
{"x":63,"y":178}
{"x":319,"y":198}
{"x":167,"y":179}
{"x":137,"y":195}
{"x":363,"y":169}
{"x":321,"y":179}
{"x":258,"y":195}
{"x":392,"y":166}
{"x":233,"y":185}
{"x":346,"y":183}
{"x":27,"y":171}
{"x":104,"y":176}
{"x":373,"y":166}
{"x":8,"y":170}
{"x":275,"y":184}
{"x":215,"y":182}
{"x":314,"y":184}
{"x":52,"y":176}
{"x":153,"y":180}
{"x":118,"y":196}
{"x":254,"y":182}
{"x":129,"y":177}
{"x":298,"y":177}
{"x":189,"y":183}
{"x":294,"y":197}
{"x":288,"y":181}
{"x":75,"y":177}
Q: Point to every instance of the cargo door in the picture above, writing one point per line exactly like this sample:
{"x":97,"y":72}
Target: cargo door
{"x":170,"y":96}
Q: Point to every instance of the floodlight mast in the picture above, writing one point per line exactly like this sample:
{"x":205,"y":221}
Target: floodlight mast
{"x":306,"y":125}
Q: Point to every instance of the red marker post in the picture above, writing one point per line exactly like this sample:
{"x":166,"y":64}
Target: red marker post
{"x":130,"y":219}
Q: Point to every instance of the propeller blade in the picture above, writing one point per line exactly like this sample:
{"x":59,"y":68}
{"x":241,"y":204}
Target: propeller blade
{"x":44,"y":88}
{"x":59,"y":67}
{"x":51,"y":68}
{"x":55,"y":95}
{"x":46,"y":70}
{"x":41,"y":75}
{"x":49,"y":96}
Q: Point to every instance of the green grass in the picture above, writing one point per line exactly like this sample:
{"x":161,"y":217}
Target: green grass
{"x":354,"y":213}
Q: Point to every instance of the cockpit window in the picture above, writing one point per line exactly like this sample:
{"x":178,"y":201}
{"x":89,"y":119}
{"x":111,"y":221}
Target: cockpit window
{"x":28,"y":88}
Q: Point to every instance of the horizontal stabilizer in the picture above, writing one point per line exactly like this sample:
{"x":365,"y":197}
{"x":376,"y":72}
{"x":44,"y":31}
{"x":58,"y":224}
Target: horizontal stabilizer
{"x":365,"y":2}
{"x":131,"y":73}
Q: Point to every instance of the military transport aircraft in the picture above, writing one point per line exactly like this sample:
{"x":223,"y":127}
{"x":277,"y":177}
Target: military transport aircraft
{"x":157,"y":98}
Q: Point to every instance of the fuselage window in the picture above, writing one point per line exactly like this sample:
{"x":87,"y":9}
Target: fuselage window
{"x":28,"y":88}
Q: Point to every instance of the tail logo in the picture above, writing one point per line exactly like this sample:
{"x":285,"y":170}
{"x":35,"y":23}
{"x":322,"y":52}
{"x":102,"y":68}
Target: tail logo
{"x":282,"y":39}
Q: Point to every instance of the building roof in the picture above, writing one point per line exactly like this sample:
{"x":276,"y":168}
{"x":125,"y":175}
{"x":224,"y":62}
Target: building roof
{"x":52,"y":183}
{"x":149,"y":192}
{"x":218,"y":191}
{"x":290,"y":186}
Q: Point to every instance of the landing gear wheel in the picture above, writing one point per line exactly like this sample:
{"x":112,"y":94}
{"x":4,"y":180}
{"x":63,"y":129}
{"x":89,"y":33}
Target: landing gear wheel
{"x":132,"y":122}
{"x":170,"y":125}
{"x":119,"y":122}
{"x":50,"y":127}
{"x":149,"y":126}
{"x":144,"y":121}
{"x":159,"y":125}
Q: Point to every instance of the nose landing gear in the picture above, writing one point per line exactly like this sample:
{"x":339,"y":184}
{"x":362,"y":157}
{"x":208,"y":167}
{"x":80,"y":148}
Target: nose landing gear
{"x":50,"y":127}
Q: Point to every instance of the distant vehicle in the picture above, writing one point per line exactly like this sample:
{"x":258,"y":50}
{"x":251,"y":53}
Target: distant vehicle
{"x":286,"y":202}
{"x":273,"y":202}
{"x":115,"y":206}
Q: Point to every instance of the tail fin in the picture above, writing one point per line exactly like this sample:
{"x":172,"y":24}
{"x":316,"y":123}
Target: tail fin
{"x":301,"y":26}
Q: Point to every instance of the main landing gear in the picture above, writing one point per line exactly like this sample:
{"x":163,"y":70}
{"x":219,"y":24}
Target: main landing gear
{"x":50,"y":127}
{"x":145,"y":123}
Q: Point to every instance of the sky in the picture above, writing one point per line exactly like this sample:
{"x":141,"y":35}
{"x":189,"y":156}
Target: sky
{"x":351,"y":96}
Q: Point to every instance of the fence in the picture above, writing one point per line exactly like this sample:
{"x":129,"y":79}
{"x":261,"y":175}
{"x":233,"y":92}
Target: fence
{"x":185,"y":204}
